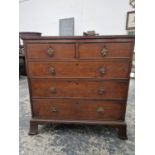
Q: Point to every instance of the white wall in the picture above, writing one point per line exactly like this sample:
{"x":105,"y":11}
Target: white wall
{"x":106,"y":17}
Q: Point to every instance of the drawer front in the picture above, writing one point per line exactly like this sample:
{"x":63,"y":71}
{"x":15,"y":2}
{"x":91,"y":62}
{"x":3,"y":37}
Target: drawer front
{"x":104,"y":70}
{"x":77,"y":109}
{"x":104,"y":50}
{"x":51,"y":51}
{"x":76,"y":89}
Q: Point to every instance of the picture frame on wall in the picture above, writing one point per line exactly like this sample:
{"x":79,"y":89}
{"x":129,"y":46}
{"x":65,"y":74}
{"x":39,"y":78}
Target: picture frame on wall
{"x":132,"y":3}
{"x":130,"y":20}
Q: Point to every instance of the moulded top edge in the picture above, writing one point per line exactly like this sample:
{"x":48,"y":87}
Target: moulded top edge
{"x":79,"y":37}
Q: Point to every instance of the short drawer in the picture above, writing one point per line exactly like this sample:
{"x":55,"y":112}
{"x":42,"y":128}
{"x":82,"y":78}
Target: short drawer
{"x":68,"y":109}
{"x":79,"y":88}
{"x":51,"y":51}
{"x":104,"y":50}
{"x":80,"y":69}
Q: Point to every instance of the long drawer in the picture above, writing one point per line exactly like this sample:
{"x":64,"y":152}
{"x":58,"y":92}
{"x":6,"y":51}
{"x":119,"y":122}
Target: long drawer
{"x":78,"y":88}
{"x":51,"y":51}
{"x":67,"y":109}
{"x":80,"y":69}
{"x":104,"y":50}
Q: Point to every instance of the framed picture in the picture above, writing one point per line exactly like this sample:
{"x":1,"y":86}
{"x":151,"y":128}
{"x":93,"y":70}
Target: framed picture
{"x":132,"y":3}
{"x":130,"y":21}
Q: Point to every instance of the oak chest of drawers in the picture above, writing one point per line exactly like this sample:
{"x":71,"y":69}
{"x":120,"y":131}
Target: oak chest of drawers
{"x":79,"y":80}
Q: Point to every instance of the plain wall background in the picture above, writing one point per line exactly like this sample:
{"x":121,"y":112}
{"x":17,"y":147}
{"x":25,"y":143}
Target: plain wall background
{"x":106,"y":17}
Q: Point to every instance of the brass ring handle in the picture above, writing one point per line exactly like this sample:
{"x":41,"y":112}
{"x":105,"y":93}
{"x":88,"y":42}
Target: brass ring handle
{"x":102,"y":71}
{"x":53,"y":109}
{"x":101,"y":91}
{"x":104,"y":51}
{"x":50,"y":52}
{"x":53,"y":90}
{"x":100,"y":109}
{"x":52,"y":71}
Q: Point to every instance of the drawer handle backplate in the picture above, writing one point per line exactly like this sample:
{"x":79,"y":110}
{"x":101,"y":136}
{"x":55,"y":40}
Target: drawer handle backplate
{"x":52,"y":71}
{"x":104,"y":51}
{"x":53,"y":109}
{"x":102,"y":71}
{"x":53,"y":90}
{"x":101,"y":91}
{"x":50,"y":52}
{"x":100,"y":109}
